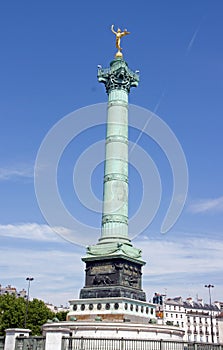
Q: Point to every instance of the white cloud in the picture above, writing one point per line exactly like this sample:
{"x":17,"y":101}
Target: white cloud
{"x":57,"y":274}
{"x":12,"y":173}
{"x":207,"y":205}
{"x":182,"y":264}
{"x":31,"y":231}
{"x":182,"y":255}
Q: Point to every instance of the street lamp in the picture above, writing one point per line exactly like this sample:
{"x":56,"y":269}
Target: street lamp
{"x":209,"y":286}
{"x":29,"y":279}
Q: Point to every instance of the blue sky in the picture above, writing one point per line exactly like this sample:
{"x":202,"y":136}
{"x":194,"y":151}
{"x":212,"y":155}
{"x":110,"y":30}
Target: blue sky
{"x":49,"y":56}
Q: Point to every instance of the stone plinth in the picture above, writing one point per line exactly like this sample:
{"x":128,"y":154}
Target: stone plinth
{"x":106,"y":330}
{"x":111,"y":310}
{"x":54,"y":336}
{"x":12,"y":334}
{"x":114,"y":277}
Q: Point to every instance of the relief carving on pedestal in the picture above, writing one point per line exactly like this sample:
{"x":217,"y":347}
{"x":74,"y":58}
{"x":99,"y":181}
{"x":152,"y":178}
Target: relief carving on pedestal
{"x":132,"y":281}
{"x":131,"y":276}
{"x":102,"y":280}
{"x":101,"y":274}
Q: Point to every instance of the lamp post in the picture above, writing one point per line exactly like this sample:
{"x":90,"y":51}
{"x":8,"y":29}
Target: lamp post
{"x":209,"y":286}
{"x":164,"y":306}
{"x":29,"y":279}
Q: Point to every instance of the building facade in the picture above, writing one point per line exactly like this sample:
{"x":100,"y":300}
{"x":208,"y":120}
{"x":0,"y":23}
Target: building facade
{"x":12,"y":290}
{"x":199,"y":321}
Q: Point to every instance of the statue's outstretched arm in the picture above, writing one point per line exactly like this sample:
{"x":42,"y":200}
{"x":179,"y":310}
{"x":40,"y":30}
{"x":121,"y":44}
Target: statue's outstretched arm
{"x":112,"y":29}
{"x":126,"y":32}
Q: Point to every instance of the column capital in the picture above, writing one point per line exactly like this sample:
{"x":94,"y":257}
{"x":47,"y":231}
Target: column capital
{"x":118,"y":76}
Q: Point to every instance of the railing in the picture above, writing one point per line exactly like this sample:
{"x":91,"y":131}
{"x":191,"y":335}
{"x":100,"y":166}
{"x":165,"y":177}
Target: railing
{"x":2,"y":343}
{"x":72,"y":343}
{"x":31,"y":343}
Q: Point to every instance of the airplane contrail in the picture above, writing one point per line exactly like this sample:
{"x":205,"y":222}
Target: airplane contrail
{"x":154,"y":111}
{"x":189,"y":47}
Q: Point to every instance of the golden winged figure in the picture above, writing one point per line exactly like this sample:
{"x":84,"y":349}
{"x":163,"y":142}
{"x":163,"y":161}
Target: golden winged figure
{"x":119,"y":34}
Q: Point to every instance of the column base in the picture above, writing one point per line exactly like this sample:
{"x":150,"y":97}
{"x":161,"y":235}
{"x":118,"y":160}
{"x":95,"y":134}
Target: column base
{"x":112,"y":292}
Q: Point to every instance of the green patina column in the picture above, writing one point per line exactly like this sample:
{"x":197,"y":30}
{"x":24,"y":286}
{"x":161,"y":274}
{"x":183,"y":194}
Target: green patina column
{"x":118,"y":80}
{"x":113,"y":265}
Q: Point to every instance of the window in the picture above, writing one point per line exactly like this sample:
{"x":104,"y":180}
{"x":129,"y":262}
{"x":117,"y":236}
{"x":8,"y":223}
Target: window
{"x":182,"y":324}
{"x":151,"y":311}
{"x":99,"y":306}
{"x":181,"y":316}
{"x":171,"y":315}
{"x":116,"y":306}
{"x":126,"y":306}
{"x":166,"y":314}
{"x":91,"y":306}
{"x":142,"y":308}
{"x":74,"y":307}
{"x":107,"y":306}
{"x":82,"y":307}
{"x":176,"y":315}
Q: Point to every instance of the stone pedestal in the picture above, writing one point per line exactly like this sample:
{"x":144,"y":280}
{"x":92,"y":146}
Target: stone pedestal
{"x":12,"y":334}
{"x":111,"y":310}
{"x":89,"y":331}
{"x":114,"y":277}
{"x":54,"y":336}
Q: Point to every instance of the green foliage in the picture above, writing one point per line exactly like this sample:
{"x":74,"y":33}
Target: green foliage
{"x":12,"y":314}
{"x":38,"y":314}
{"x":153,"y":321}
{"x":12,"y":311}
{"x":61,"y":315}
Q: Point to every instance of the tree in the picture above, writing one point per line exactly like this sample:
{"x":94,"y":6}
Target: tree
{"x":62,"y":315}
{"x":38,"y":314}
{"x":13,"y":309}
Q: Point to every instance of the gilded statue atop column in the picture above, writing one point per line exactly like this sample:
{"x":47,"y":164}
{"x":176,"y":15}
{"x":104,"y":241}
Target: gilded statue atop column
{"x":119,"y":34}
